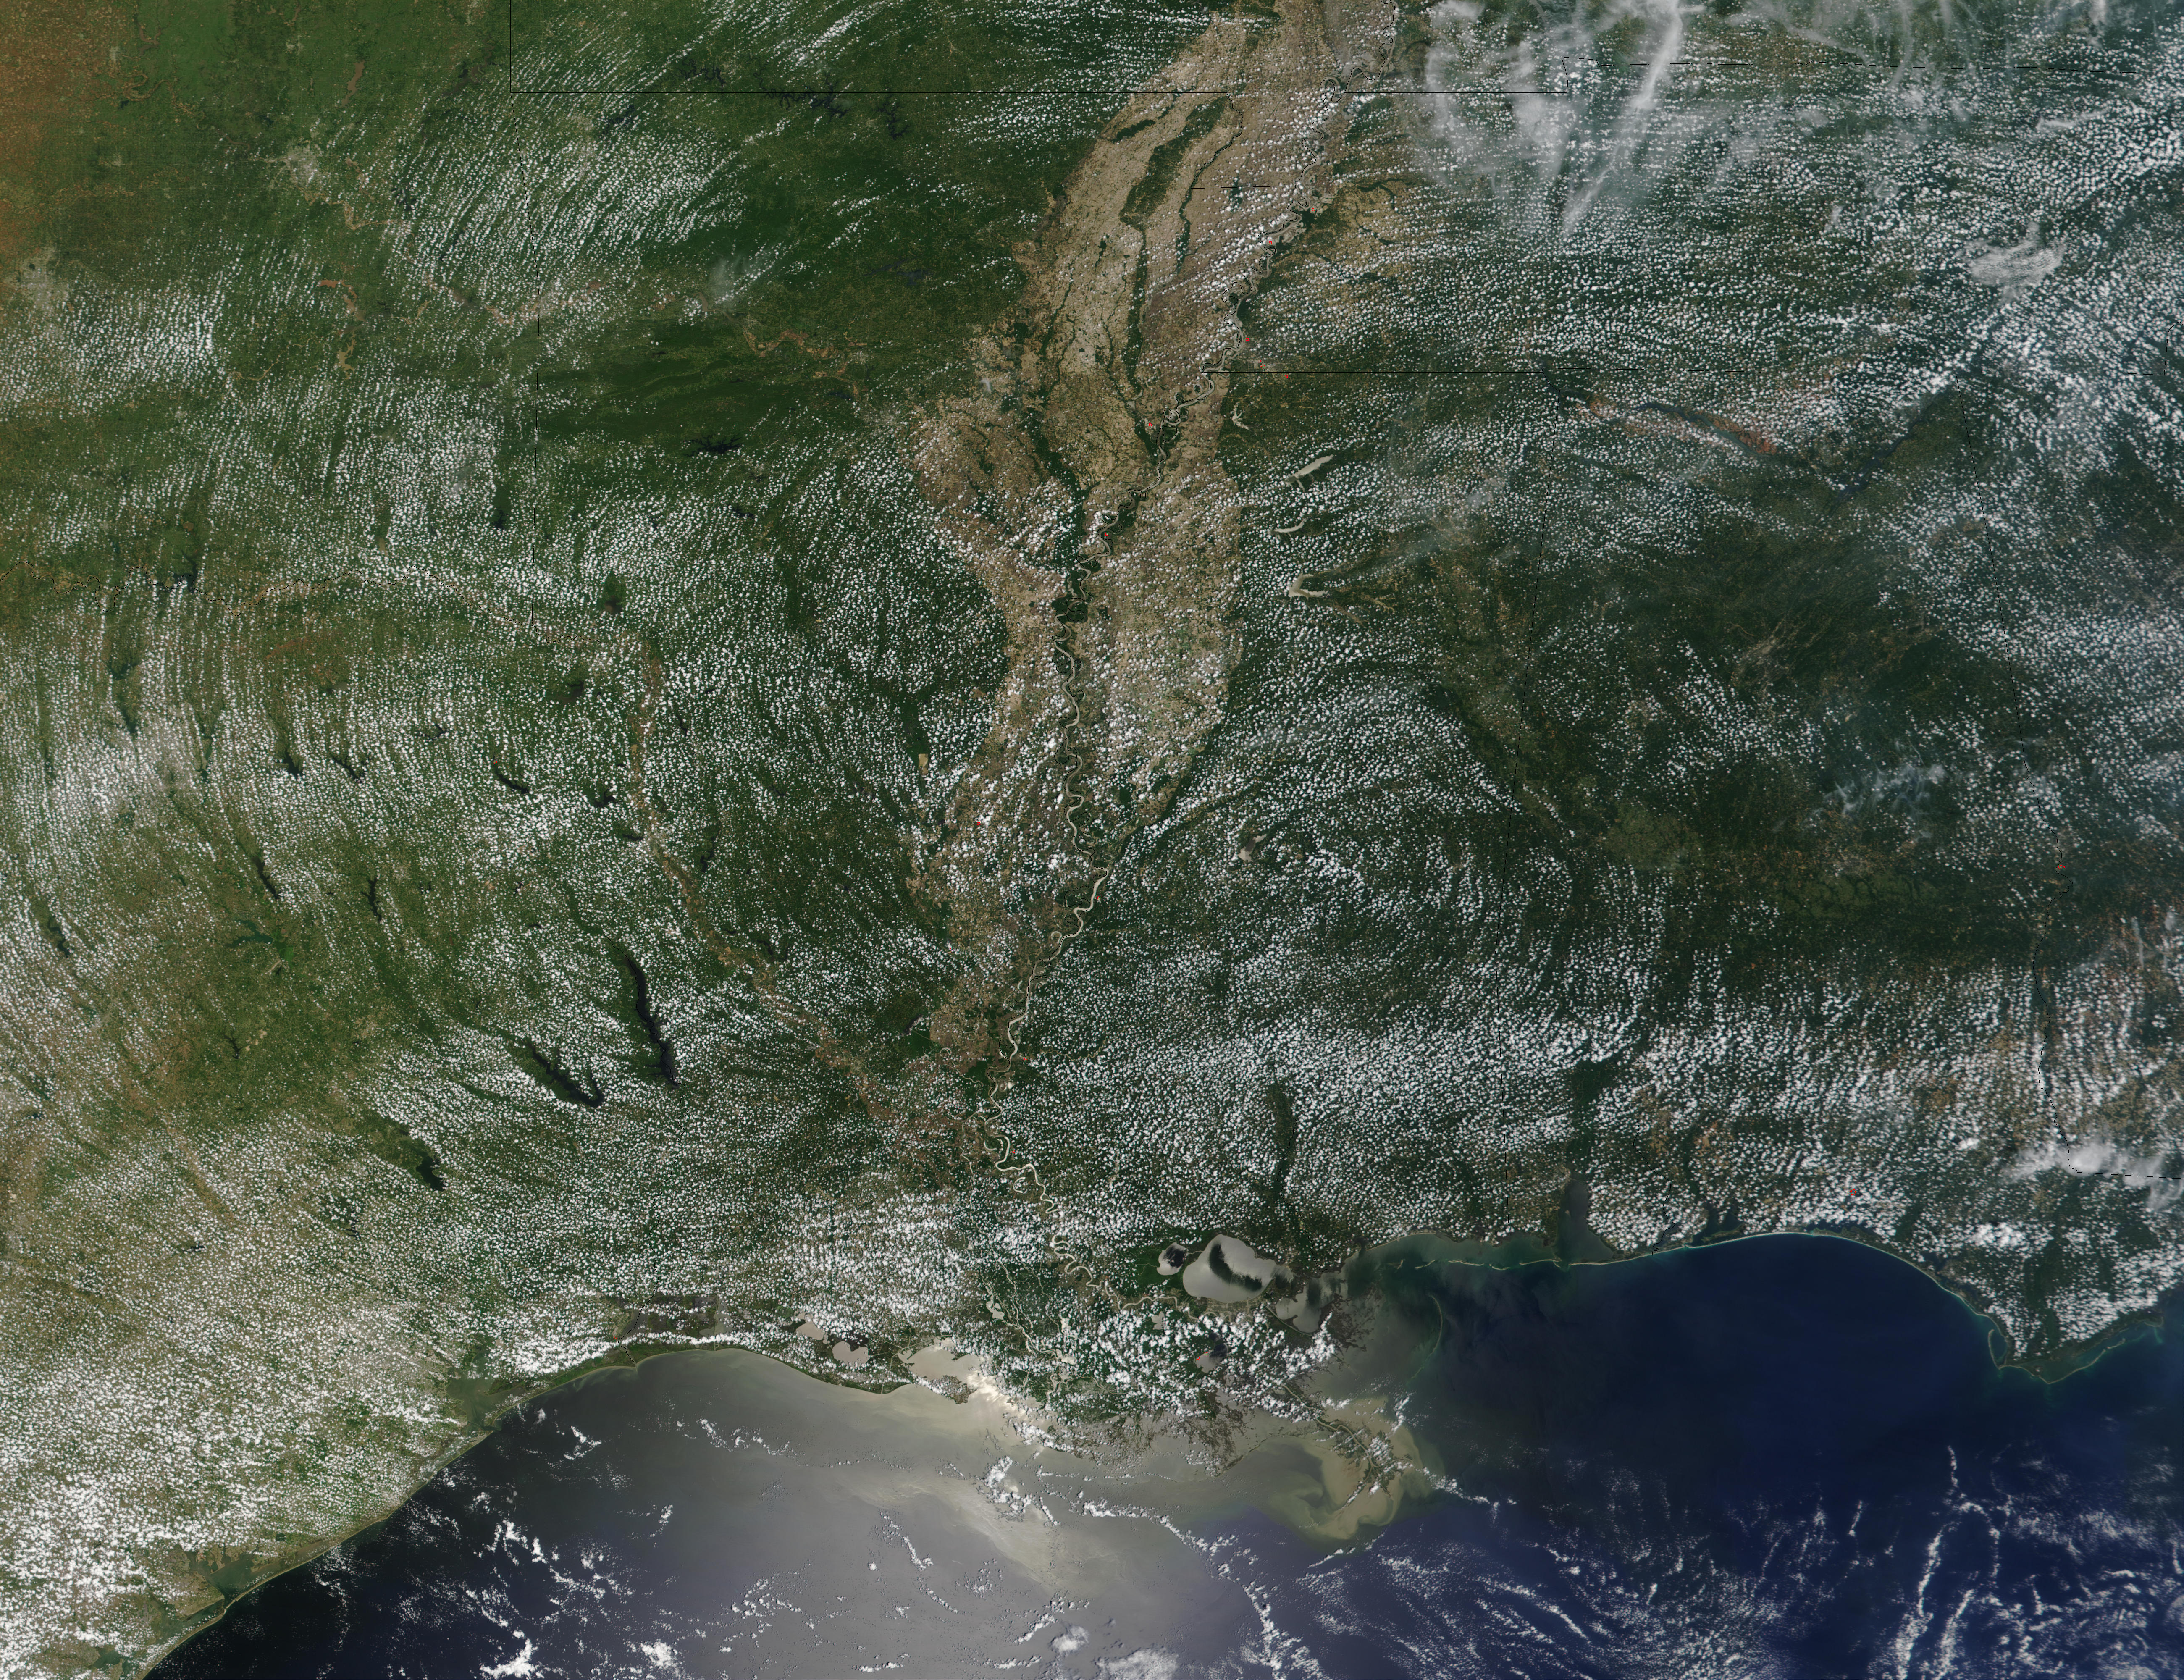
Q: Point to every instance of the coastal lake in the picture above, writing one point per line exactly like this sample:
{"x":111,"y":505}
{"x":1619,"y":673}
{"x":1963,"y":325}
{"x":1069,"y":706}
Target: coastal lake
{"x":1788,"y":1456}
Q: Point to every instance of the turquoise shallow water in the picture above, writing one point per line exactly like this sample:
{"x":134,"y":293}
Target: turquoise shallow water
{"x":1786,"y":1456}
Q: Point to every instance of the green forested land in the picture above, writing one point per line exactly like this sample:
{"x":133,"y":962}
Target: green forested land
{"x":482,"y":675}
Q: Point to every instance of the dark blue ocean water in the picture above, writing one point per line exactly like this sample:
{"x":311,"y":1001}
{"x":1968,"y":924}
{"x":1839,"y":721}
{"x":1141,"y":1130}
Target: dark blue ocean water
{"x":1782,"y":1457}
{"x":1790,"y":1456}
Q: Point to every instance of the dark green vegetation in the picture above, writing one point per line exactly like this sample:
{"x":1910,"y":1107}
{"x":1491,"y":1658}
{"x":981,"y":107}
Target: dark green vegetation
{"x":484,"y":677}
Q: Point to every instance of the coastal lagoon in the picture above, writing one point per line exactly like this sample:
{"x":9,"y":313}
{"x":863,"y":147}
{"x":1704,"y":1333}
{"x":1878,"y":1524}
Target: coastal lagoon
{"x":1784,"y":1455}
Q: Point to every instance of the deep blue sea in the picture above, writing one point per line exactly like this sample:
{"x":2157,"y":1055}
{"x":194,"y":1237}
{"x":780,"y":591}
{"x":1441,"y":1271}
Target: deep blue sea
{"x":1788,"y":1456}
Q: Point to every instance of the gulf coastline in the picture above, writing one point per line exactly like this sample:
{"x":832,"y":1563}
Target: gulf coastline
{"x":1799,"y":1392}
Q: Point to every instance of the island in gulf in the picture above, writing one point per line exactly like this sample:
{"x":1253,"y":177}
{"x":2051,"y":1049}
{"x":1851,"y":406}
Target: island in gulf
{"x":813,"y":678}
